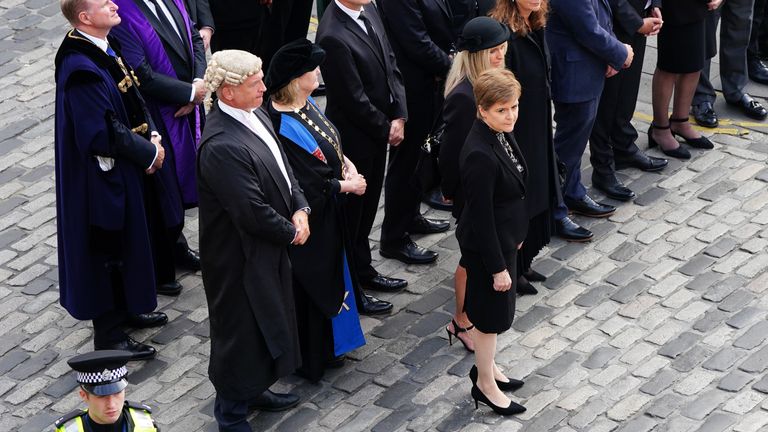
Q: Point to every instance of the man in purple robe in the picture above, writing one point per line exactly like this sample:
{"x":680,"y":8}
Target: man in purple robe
{"x":162,"y":44}
{"x":116,"y":200}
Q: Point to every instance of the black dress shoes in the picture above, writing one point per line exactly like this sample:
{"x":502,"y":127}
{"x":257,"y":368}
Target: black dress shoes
{"x":705,"y":115}
{"x":586,"y":206}
{"x":172,"y":289}
{"x":273,"y":402}
{"x":436,"y":200}
{"x":757,"y":71}
{"x":612,"y":187}
{"x":410,"y":253}
{"x":422,"y":225}
{"x":524,"y":287}
{"x":641,"y":161}
{"x":188,"y":260}
{"x":750,"y":107}
{"x":370,"y":305}
{"x":571,"y":231}
{"x":139,"y":350}
{"x":147,"y":320}
{"x":384,"y":284}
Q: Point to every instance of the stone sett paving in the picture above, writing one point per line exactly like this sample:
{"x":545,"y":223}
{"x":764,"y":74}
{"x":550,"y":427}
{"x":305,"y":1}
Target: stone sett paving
{"x":659,"y":324}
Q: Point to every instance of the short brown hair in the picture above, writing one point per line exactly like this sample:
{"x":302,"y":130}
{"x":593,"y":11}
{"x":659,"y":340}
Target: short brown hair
{"x":72,"y":8}
{"x":507,"y":12}
{"x":494,"y":86}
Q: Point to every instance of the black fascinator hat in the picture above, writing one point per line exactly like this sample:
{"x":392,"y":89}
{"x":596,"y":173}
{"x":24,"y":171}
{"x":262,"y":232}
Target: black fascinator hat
{"x":482,"y":33}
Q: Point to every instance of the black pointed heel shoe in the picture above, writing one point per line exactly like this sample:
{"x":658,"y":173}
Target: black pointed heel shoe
{"x":511,"y":385}
{"x":512,"y":409}
{"x":700,"y":143}
{"x":456,"y":330}
{"x":678,"y":152}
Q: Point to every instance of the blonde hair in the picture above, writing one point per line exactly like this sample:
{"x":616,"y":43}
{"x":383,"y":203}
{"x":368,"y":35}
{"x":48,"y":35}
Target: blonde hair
{"x":495,"y":85}
{"x":287,"y":94}
{"x":468,"y":65}
{"x":72,"y":8}
{"x":506,"y":11}
{"x":229,"y":67}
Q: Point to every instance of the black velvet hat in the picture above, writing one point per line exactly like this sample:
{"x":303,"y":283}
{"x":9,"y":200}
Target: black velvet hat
{"x":482,"y":33}
{"x":291,"y":61}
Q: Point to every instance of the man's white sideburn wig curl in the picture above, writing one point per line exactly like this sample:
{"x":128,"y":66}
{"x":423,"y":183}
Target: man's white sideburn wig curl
{"x":230,"y":67}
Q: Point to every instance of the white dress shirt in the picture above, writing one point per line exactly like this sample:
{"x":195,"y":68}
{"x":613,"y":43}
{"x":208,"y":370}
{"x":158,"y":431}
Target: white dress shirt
{"x":252,"y":122}
{"x":107,"y":163}
{"x":354,"y":14}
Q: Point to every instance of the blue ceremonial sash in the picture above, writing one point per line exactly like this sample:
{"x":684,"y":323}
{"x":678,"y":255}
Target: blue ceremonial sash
{"x":347,"y":333}
{"x":295,"y":131}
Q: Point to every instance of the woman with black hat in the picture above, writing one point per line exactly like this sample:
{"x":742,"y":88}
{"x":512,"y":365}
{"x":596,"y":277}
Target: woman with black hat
{"x":324,"y":288}
{"x":482,"y":45}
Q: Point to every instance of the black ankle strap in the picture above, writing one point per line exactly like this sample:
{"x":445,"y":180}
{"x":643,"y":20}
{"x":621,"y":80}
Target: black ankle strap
{"x":655,"y":126}
{"x":678,"y":120}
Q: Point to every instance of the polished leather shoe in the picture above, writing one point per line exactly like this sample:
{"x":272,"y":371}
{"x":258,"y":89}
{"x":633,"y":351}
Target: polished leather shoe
{"x":612,"y":187}
{"x":172,"y":289}
{"x":586,"y":206}
{"x":757,"y":71}
{"x":525,"y":288}
{"x":147,"y":320}
{"x":410,"y":253}
{"x":188,"y":260}
{"x":705,"y":115}
{"x":422,"y":225}
{"x":641,"y":161}
{"x":139,"y":350}
{"x":436,"y":200}
{"x":370,"y":305}
{"x":750,"y":107}
{"x":384,"y":284}
{"x":571,"y":231}
{"x":273,"y":402}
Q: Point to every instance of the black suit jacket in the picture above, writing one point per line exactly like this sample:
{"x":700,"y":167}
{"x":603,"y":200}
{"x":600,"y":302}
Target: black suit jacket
{"x":681,"y":12}
{"x":494,"y":220}
{"x":200,"y":13}
{"x":459,"y":113}
{"x":188,"y":62}
{"x":364,"y":86}
{"x":628,"y":14}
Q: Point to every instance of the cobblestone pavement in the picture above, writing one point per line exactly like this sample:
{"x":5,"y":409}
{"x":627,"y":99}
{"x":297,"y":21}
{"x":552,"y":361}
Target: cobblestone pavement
{"x":659,"y":324}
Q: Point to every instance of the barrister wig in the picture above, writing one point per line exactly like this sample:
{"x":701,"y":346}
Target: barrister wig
{"x":507,"y":11}
{"x":230,"y":67}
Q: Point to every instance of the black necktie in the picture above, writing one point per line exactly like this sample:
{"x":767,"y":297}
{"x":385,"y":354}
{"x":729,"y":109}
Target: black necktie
{"x":371,"y":33}
{"x":164,"y":19}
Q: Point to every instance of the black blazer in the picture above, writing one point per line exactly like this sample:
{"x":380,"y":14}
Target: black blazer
{"x":494,"y":220}
{"x":364,"y":87}
{"x":459,"y":113}
{"x":628,"y":14}
{"x":188,"y":62}
{"x":200,"y":13}
{"x":681,"y":12}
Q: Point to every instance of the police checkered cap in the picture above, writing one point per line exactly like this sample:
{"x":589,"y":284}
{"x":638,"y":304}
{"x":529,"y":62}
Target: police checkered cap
{"x":101,"y":372}
{"x":103,"y":377}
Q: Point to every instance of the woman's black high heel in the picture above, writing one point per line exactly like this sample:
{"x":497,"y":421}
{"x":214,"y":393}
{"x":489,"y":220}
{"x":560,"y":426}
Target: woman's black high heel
{"x":678,"y":152}
{"x":513,"y":408}
{"x":534,"y":276}
{"x":511,"y":385}
{"x":456,"y":330}
{"x":700,"y":143}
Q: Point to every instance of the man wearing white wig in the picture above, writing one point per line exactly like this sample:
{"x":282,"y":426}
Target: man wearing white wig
{"x":251,"y":210}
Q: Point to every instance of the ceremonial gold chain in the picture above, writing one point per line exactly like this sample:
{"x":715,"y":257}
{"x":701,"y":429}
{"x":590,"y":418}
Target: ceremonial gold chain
{"x":333,"y":140}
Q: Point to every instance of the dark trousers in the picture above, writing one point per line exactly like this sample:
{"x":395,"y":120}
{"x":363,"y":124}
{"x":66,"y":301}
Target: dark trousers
{"x":231,"y":415}
{"x":574,"y":126}
{"x":401,"y":197}
{"x":757,"y":40}
{"x":613,"y":133}
{"x":361,"y":211}
{"x":735,"y":18}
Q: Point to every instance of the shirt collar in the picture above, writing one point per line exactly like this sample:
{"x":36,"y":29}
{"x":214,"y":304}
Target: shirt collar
{"x":237,"y":113}
{"x":354,"y":14}
{"x":101,"y":43}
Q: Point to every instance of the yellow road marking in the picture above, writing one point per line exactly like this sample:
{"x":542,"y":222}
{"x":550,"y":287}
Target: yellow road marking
{"x":737,"y":131}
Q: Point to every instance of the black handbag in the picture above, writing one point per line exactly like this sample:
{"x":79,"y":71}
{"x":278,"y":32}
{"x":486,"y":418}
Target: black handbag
{"x":427,"y":175}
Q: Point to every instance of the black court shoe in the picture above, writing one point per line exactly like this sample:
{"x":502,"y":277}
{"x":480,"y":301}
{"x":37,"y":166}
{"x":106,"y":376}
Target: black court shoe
{"x":511,"y":385}
{"x":678,"y":152}
{"x":512,"y":409}
{"x":701,"y":142}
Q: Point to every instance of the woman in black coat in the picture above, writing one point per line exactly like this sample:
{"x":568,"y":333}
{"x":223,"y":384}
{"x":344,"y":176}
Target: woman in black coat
{"x":528,"y":58}
{"x":492,"y":227}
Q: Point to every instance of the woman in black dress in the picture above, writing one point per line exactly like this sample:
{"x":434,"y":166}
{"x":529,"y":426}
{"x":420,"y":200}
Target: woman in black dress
{"x":323,"y":282}
{"x":492,"y":227}
{"x":481,"y":45}
{"x":528,"y":58}
{"x":681,"y":51}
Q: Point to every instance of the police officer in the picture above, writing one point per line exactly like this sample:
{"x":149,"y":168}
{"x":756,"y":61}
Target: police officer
{"x":101,"y":375}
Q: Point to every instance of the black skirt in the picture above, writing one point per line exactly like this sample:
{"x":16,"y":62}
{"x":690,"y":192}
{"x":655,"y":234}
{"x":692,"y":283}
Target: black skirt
{"x":490,"y":311}
{"x":682,"y":48}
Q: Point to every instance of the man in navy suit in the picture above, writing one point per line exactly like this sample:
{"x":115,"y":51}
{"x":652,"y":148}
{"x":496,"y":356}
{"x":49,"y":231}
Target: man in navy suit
{"x":584,"y":51}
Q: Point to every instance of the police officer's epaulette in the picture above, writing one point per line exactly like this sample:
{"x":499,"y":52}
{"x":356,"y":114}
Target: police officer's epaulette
{"x":69,"y":416}
{"x":136,"y":405}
